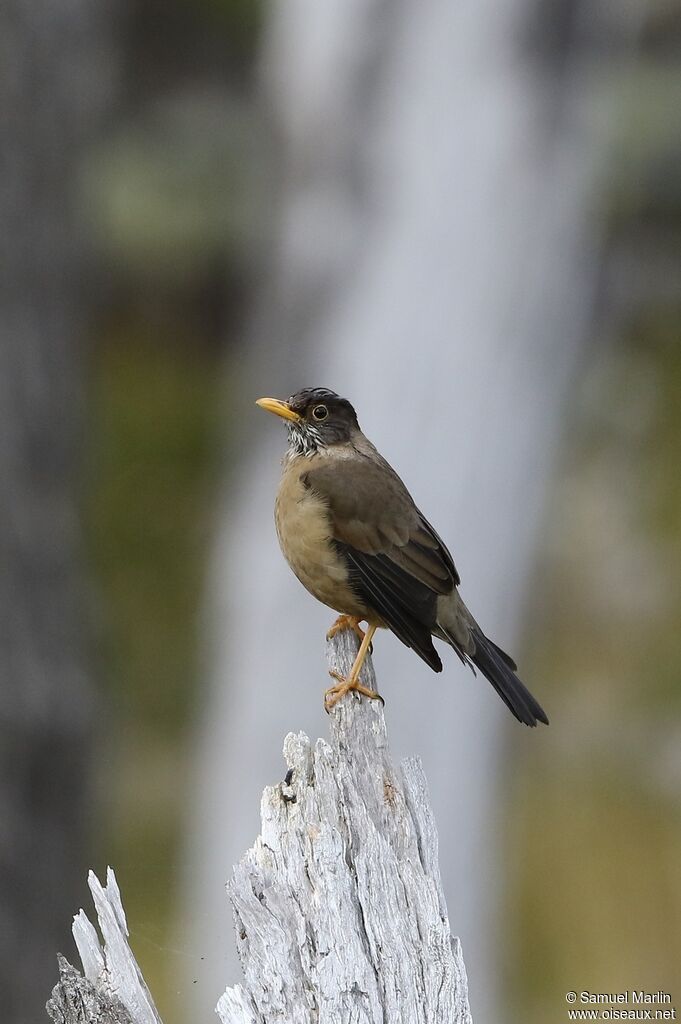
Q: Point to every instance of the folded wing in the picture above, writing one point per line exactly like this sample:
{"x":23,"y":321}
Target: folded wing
{"x":397,"y":564}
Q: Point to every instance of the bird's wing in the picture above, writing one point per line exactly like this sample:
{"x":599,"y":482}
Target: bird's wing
{"x":397,"y":564}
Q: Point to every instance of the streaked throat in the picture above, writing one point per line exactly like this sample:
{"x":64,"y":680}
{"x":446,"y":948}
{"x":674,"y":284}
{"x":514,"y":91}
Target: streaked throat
{"x":303,"y":440}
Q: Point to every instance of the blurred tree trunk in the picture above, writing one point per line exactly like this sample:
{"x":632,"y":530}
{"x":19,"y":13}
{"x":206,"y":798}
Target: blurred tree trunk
{"x":50,"y":75}
{"x":434,"y":262}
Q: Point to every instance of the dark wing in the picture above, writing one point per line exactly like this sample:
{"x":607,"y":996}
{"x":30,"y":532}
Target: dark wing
{"x":397,"y":564}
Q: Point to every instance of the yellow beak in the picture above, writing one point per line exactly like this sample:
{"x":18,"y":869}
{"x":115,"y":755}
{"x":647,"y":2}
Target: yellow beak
{"x":279,"y":409}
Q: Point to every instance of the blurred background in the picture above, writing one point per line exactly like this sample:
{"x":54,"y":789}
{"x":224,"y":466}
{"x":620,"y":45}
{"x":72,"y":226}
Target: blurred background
{"x":466,"y":219}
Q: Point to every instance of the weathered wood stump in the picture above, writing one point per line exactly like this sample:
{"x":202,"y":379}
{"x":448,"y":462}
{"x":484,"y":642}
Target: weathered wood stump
{"x":339,"y":910}
{"x":112,"y":990}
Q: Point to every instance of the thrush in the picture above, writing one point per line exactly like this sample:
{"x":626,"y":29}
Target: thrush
{"x":354,"y":537}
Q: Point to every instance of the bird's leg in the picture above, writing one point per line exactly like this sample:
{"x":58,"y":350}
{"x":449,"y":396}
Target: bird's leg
{"x":347,"y":622}
{"x":344,"y":686}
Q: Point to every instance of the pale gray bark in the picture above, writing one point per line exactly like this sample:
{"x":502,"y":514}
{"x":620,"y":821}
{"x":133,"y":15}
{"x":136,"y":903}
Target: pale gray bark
{"x":339,"y":911}
{"x":112,"y":990}
{"x":75,"y":1000}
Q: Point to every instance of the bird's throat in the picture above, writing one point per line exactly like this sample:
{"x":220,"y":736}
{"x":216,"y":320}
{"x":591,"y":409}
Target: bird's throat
{"x":303,"y":439}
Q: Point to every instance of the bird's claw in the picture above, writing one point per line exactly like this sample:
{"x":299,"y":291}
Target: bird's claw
{"x":346,"y":622}
{"x":335,"y":693}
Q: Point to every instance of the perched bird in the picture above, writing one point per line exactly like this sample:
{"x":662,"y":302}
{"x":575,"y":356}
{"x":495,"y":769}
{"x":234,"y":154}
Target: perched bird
{"x":353,"y":536}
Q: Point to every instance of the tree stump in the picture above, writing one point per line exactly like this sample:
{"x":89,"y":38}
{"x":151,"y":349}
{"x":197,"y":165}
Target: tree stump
{"x":339,"y":910}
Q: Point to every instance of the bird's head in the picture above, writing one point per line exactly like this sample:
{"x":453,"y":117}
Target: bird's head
{"x":316,"y":419}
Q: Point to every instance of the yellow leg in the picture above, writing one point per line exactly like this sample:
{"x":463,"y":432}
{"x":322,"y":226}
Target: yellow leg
{"x":333,"y":695}
{"x":347,"y":622}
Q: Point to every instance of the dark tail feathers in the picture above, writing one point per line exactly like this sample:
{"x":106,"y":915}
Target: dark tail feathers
{"x":496,"y":666}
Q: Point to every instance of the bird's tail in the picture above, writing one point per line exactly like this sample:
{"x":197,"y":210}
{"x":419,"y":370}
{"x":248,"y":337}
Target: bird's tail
{"x":496,"y":666}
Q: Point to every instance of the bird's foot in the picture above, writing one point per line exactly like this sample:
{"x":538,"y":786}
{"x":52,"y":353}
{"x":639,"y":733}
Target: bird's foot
{"x":347,"y":622}
{"x":343,"y":686}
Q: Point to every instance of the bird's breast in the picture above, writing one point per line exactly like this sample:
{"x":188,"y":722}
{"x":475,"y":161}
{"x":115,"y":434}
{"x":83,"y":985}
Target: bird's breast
{"x":304,"y":531}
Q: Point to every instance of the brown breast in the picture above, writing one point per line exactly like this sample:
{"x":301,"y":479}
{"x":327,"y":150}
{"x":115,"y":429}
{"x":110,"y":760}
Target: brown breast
{"x":304,"y":532}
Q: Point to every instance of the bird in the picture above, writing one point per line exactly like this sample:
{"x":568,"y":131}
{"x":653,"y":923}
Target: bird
{"x":353,"y":535}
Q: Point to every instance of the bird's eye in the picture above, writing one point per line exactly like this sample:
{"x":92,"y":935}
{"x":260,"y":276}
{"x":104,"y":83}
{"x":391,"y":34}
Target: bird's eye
{"x":320,"y":412}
